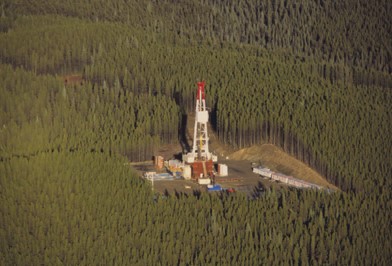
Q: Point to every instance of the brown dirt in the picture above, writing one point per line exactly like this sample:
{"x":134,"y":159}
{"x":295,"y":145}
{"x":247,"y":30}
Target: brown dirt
{"x":170,"y":151}
{"x":239,"y":162}
{"x":267,"y":155}
{"x":178,"y":186}
{"x":276,"y":159}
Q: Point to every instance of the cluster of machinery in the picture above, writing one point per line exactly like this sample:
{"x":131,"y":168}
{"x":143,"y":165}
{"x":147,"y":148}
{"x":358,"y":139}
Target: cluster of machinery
{"x":199,"y":163}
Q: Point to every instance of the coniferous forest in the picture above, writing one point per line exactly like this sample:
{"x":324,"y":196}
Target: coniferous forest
{"x":312,"y":77}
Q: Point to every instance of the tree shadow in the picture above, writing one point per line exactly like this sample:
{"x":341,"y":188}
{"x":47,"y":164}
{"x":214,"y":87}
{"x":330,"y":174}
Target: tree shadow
{"x":214,"y":118}
{"x":179,"y":194}
{"x":258,"y":190}
{"x":183,"y":133}
{"x":197,"y":193}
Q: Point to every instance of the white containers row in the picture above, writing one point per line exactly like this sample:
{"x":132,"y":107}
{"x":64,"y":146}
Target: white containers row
{"x":292,"y":181}
{"x":263,"y":171}
{"x":280,"y":177}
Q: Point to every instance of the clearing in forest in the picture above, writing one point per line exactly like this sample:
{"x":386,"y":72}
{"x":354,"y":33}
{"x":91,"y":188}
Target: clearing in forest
{"x":277,"y":160}
{"x":267,"y":155}
{"x":239,"y":162}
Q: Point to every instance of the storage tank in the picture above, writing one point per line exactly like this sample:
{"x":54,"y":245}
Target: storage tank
{"x":159,"y":162}
{"x":187,"y":173}
{"x":222,"y":170}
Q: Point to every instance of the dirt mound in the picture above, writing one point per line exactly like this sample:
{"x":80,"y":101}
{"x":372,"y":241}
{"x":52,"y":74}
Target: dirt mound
{"x":276,"y":159}
{"x":257,"y":152}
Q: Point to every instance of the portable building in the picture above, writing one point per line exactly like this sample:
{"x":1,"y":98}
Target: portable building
{"x":222,"y":170}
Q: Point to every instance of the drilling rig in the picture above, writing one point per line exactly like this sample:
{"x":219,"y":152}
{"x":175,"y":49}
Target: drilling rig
{"x":200,"y":158}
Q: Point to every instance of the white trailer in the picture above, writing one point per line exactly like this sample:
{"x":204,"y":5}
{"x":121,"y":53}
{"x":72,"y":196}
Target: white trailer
{"x":263,"y":171}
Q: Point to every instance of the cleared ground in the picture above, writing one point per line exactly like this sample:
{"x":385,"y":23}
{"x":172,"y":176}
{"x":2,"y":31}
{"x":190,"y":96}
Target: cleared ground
{"x":267,"y":155}
{"x":277,"y":160}
{"x":239,"y":164}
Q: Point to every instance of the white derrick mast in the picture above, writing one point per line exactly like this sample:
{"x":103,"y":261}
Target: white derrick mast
{"x":200,"y":151}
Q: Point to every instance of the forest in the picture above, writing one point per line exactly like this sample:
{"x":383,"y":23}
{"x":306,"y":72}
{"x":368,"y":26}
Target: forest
{"x":311,"y":77}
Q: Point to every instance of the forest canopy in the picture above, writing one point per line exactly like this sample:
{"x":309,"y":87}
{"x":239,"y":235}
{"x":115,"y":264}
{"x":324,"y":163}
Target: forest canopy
{"x":313,"y":78}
